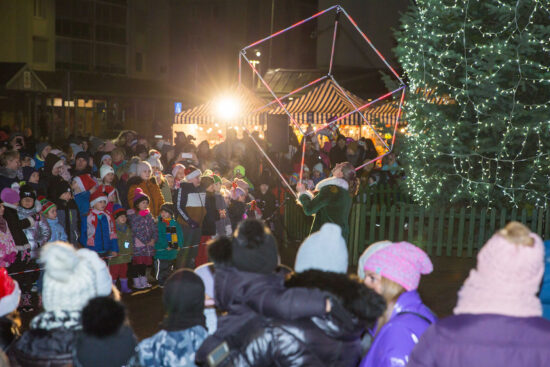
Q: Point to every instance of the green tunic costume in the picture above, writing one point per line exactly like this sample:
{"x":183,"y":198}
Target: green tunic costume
{"x":331,"y":204}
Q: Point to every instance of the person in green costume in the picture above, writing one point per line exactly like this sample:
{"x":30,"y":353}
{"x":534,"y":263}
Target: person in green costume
{"x":332,"y":199}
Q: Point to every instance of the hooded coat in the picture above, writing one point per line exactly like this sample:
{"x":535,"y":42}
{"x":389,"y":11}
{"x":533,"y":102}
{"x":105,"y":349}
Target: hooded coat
{"x":9,"y":177}
{"x":332,"y":204}
{"x":37,"y":234}
{"x":394,"y":342}
{"x":48,"y":181}
{"x":151,"y":189}
{"x":329,"y":340}
{"x":247,"y":297}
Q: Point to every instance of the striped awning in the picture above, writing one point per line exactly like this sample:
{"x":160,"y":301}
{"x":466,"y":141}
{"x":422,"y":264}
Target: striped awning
{"x":206,"y":113}
{"x":327,"y":102}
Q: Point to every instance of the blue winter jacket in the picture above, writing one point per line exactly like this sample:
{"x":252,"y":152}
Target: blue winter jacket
{"x":102,"y":240}
{"x":545,"y":288}
{"x":58,"y":232}
{"x":172,"y":348}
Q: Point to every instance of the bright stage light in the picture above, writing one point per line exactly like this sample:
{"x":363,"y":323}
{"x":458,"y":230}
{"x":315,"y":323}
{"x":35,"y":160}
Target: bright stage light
{"x":258,"y":54}
{"x":227,"y":108}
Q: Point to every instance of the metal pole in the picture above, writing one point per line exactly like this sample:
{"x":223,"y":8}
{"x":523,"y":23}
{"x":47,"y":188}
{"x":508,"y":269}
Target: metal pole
{"x":271,"y":32}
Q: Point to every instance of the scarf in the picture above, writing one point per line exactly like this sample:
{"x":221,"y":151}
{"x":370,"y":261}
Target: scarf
{"x":50,"y":320}
{"x":144,"y":213}
{"x":92,"y":220}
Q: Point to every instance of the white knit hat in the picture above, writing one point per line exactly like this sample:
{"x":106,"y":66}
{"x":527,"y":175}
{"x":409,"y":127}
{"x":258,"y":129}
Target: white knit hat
{"x":324,"y":250}
{"x":71,"y":278}
{"x":155,"y":162}
{"x":105,"y":170}
{"x":9,"y":293}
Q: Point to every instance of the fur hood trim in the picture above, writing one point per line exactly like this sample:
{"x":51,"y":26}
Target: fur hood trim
{"x":354,"y":296}
{"x":336,"y":181}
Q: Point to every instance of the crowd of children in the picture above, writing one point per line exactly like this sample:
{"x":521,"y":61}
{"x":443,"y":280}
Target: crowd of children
{"x":144,"y":213}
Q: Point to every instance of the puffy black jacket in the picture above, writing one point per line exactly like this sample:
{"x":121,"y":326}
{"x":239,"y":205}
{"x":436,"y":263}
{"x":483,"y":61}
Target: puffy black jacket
{"x":329,"y":340}
{"x":44,"y":348}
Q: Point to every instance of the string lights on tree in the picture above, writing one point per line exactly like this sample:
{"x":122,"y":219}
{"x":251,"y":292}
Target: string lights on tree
{"x":478,"y":110}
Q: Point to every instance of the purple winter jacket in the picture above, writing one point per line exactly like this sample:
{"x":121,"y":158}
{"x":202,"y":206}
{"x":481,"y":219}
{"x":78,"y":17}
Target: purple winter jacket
{"x":484,"y":340}
{"x":393,"y":344}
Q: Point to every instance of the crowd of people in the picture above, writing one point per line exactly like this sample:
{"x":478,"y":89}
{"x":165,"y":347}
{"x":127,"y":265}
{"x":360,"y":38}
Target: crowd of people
{"x":82,"y":223}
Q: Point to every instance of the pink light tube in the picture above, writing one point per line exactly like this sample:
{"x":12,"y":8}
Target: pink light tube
{"x":293,"y":92}
{"x":333,"y":42}
{"x":303,"y":157}
{"x":359,"y":109}
{"x":373,"y":160}
{"x":292,"y":26}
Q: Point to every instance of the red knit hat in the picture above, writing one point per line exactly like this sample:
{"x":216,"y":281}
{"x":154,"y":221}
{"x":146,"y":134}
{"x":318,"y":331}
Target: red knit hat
{"x":9,"y":293}
{"x":85,"y":182}
{"x":191,"y":172}
{"x":98,"y":196}
{"x":107,"y":189}
{"x":46,"y":206}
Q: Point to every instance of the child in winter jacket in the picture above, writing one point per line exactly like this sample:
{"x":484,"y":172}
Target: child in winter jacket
{"x":223,"y":225}
{"x":100,"y":227}
{"x":8,"y":251}
{"x":67,"y":212}
{"x":170,"y":240}
{"x":208,"y":227}
{"x":107,"y":175}
{"x":49,"y":212}
{"x":39,"y":233}
{"x":145,"y":236}
{"x":237,"y":207}
{"x":83,"y":186}
{"x":118,"y":266}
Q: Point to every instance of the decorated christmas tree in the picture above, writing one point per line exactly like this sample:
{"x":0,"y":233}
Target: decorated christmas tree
{"x":478,"y":107}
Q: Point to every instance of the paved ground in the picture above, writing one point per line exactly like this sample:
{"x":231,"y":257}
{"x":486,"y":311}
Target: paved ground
{"x":437,"y":289}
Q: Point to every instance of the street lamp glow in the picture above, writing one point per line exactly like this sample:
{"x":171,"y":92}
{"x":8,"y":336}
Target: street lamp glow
{"x":258,"y":54}
{"x":227,"y":108}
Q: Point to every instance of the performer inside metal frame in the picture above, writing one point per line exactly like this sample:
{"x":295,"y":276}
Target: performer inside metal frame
{"x":332,"y":199}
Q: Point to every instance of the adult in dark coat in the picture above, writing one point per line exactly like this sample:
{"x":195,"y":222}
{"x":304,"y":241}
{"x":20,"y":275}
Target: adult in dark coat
{"x":338,"y":152}
{"x":10,"y":171}
{"x":50,"y":175}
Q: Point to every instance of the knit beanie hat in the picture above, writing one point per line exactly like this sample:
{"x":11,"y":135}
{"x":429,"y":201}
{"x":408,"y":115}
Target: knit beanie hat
{"x":40,"y":147}
{"x":85,"y":182}
{"x":103,"y":280}
{"x":318,"y":167}
{"x":254,"y":248}
{"x":59,"y":189}
{"x":142,"y":167}
{"x":26,"y":191}
{"x":239,"y":169}
{"x":105,"y":170}
{"x":27,"y":173}
{"x":104,"y":328}
{"x":366,"y":254}
{"x":191,"y":172}
{"x":168,"y":208}
{"x":176,"y":167}
{"x":401,"y":262}
{"x":9,"y":196}
{"x":207,"y":276}
{"x":183,"y":298}
{"x":82,"y":154}
{"x":97,"y":196}
{"x":46,"y":206}
{"x":71,"y":277}
{"x":9,"y":293}
{"x":104,"y":157}
{"x":118,"y":210}
{"x":217,"y":179}
{"x":507,"y":277}
{"x":155,"y":162}
{"x":154,"y":153}
{"x":139,"y":196}
{"x":325,"y":250}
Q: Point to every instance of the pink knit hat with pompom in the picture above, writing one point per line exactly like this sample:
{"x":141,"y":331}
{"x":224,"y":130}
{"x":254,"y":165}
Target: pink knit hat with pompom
{"x":401,"y":262}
